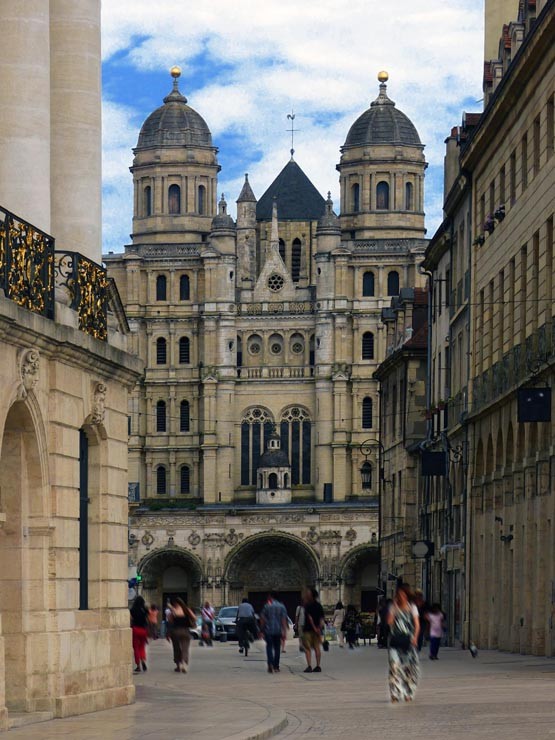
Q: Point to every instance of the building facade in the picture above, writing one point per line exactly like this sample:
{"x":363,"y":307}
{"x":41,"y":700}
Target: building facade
{"x":490,"y":516}
{"x":267,"y":327}
{"x":65,"y":643}
{"x":402,"y":377}
{"x":511,"y":514}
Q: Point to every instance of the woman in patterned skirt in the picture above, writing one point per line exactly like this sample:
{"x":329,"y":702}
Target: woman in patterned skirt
{"x":404,"y":627}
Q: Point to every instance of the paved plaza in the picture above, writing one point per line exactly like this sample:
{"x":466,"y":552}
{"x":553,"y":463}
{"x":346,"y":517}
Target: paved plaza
{"x":498,"y":695}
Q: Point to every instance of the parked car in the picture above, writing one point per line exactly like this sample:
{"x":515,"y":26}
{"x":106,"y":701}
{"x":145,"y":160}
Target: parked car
{"x":227,"y":616}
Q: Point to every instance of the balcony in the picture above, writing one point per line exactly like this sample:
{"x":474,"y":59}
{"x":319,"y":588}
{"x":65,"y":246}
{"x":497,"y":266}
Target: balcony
{"x":274,"y":373}
{"x":35,"y":276}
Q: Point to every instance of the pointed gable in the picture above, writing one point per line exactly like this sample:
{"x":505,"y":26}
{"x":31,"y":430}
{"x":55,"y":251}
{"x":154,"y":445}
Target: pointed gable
{"x":296,"y":196}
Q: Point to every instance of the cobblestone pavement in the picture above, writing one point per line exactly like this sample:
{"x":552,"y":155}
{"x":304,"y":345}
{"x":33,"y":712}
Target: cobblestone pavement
{"x":497,"y":695}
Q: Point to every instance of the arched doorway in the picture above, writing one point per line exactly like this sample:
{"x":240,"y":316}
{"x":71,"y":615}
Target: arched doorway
{"x":170,"y":571}
{"x":360,"y":573}
{"x":23,"y":556}
{"x":270,"y":561}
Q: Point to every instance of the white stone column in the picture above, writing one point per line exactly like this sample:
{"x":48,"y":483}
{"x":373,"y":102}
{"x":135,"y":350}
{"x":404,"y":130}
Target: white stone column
{"x":25,"y":117}
{"x":76,"y":159}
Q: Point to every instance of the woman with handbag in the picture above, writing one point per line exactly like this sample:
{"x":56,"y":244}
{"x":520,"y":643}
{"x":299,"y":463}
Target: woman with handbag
{"x":404,"y":626}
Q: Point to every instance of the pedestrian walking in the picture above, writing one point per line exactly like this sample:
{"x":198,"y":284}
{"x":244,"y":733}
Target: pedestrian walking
{"x":273,"y":622}
{"x":337,"y":622}
{"x":404,"y":625}
{"x":350,"y":626}
{"x":423,"y":609}
{"x":246,"y":626}
{"x":312,"y":630}
{"x":139,"y":630}
{"x":207,"y":630}
{"x":153,"y":622}
{"x":181,"y":620}
{"x":436,"y":621}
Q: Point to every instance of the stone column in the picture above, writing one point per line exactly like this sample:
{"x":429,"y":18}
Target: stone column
{"x":25,"y":119}
{"x":76,"y":159}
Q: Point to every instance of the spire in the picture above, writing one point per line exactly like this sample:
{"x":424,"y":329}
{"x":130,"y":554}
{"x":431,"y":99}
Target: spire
{"x":328,"y":221}
{"x":175,"y":96}
{"x":222,"y":206}
{"x":246,"y":193}
{"x":382,"y":98}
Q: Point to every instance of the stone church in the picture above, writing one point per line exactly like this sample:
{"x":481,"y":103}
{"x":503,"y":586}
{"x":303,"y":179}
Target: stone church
{"x":260,"y":337}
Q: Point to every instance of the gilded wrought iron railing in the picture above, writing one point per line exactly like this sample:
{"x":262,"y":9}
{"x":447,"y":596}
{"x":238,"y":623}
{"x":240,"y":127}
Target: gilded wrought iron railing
{"x":87,"y":285}
{"x":26,"y":264}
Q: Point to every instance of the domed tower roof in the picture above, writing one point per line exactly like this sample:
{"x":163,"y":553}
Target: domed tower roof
{"x":223,"y":220}
{"x":175,"y":123}
{"x":274,"y":456}
{"x":382,"y":123}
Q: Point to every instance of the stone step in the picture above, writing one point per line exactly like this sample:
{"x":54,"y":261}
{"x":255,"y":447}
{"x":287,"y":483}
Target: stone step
{"x":21,"y":719}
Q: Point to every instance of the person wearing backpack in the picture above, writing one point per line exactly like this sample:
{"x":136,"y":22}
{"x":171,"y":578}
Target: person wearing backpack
{"x":404,"y":626}
{"x":181,"y":620}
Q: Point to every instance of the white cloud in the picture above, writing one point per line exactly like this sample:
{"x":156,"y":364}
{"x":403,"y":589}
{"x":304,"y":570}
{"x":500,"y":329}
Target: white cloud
{"x":321,"y":58}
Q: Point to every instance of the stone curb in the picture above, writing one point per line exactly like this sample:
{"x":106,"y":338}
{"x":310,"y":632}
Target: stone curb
{"x":270,"y":727}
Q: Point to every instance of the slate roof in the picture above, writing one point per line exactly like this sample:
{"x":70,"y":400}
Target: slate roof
{"x":382,"y":123}
{"x":274,"y":459}
{"x":297,"y":198}
{"x":175,"y":124}
{"x":246,"y":193}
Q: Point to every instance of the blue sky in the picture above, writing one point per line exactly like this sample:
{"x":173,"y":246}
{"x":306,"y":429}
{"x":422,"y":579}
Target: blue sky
{"x":247,"y":64}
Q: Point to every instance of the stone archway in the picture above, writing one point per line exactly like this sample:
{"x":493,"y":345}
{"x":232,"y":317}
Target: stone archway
{"x":170,"y":571}
{"x":359,"y":572}
{"x":23,"y":554}
{"x":270,"y":561}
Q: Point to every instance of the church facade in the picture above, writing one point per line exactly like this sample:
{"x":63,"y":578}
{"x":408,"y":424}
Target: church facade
{"x":260,"y":337}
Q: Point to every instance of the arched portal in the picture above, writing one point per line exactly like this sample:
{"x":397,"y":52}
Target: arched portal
{"x":171,"y":571}
{"x":23,"y":556}
{"x":270,"y":561}
{"x":359,"y":572}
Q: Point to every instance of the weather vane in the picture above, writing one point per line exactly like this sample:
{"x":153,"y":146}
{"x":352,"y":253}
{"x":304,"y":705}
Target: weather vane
{"x":291,"y":117}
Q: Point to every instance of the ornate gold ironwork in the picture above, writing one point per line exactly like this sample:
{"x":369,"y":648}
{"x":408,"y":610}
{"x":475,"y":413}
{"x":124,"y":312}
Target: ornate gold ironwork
{"x":27,"y":264}
{"x":87,"y":285}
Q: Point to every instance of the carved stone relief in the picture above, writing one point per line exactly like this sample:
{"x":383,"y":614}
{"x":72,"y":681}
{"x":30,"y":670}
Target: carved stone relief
{"x":29,"y":365}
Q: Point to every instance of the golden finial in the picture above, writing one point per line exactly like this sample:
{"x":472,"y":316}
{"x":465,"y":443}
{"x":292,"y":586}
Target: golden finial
{"x":175,"y":72}
{"x":383,"y":76}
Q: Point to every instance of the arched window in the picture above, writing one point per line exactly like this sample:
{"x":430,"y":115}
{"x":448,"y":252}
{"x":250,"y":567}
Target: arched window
{"x":367,"y":346}
{"x":184,"y":351}
{"x":282,"y":250}
{"x":296,"y":441}
{"x":393,"y":283}
{"x":273,"y":480}
{"x":382,"y":196}
{"x":201,"y":200}
{"x":161,"y":288}
{"x":368,"y":284}
{"x":286,"y":480}
{"x":355,"y":197}
{"x":185,"y":479}
{"x":366,"y":476}
{"x":161,"y":416}
{"x":184,"y":288}
{"x":184,"y":416}
{"x":161,"y":353}
{"x":147,"y":201}
{"x":160,"y":479}
{"x":174,"y":199}
{"x":367,"y":413}
{"x":296,"y":260}
{"x":409,"y":204}
{"x":256,"y":427}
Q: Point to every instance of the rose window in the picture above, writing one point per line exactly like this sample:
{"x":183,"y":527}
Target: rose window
{"x":276,"y":348}
{"x":275,"y":282}
{"x":297,"y":348}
